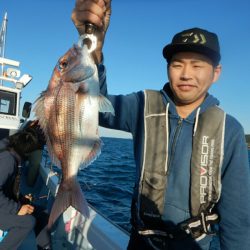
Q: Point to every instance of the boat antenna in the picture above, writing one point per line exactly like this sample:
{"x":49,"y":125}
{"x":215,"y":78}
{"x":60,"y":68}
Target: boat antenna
{"x":3,"y":33}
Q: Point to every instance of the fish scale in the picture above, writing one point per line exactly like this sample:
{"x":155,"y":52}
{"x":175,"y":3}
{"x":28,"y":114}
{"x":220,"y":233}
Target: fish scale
{"x":67,"y":112}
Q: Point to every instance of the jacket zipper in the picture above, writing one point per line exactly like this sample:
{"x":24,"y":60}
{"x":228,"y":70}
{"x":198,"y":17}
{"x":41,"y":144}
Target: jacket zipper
{"x":177,"y":131}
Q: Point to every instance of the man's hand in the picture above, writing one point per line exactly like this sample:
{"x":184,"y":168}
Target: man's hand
{"x":96,"y":12}
{"x":26,"y":209}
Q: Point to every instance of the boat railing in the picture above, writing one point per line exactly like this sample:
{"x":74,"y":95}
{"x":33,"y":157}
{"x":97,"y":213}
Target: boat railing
{"x":96,"y":232}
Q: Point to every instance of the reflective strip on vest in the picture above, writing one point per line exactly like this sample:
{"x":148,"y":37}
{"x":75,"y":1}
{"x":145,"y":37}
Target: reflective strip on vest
{"x":207,"y":158}
{"x":153,"y":176}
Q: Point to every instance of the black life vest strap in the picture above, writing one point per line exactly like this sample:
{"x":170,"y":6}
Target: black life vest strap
{"x":198,"y":227}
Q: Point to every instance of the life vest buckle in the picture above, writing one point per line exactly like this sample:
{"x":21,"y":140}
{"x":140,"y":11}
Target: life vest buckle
{"x":200,"y":226}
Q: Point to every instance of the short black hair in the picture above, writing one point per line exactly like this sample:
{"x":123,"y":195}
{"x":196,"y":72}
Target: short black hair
{"x":25,"y":142}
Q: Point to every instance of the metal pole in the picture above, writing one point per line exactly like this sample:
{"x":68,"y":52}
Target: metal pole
{"x":3,"y":33}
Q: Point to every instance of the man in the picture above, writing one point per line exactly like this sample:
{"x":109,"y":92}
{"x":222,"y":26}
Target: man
{"x":15,"y":211}
{"x":191,"y":158}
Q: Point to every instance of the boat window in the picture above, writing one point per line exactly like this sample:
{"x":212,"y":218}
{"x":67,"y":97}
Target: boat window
{"x":7,"y":102}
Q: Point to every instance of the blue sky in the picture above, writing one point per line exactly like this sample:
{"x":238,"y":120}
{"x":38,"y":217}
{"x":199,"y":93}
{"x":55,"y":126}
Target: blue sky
{"x":40,"y":31}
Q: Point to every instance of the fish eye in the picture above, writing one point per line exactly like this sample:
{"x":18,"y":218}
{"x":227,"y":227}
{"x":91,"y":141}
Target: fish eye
{"x":62,"y":65}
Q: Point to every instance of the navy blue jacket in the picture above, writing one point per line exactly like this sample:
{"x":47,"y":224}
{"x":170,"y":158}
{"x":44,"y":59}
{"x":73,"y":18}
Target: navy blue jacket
{"x":8,"y":171}
{"x":234,"y":204}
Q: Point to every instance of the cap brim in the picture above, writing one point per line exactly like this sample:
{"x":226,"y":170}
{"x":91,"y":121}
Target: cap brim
{"x":171,"y":49}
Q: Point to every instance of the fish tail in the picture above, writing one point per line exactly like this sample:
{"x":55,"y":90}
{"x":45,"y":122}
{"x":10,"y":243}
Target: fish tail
{"x":69,"y":194}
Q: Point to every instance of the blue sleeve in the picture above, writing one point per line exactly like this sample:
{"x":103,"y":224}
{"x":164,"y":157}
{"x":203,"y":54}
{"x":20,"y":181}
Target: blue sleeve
{"x":7,"y":164}
{"x":127,"y":107}
{"x":234,"y":204}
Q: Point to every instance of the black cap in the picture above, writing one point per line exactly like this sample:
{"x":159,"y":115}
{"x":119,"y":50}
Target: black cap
{"x":194,"y":40}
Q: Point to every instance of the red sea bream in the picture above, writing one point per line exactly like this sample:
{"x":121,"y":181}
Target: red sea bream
{"x":68,"y":114}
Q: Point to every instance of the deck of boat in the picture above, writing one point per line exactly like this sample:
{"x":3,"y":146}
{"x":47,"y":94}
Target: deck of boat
{"x":96,"y":232}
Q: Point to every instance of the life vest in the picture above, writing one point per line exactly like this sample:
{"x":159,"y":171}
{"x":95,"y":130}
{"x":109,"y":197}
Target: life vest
{"x":206,"y":163}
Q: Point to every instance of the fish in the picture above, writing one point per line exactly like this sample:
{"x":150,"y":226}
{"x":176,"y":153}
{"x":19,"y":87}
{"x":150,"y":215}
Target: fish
{"x":67,"y":112}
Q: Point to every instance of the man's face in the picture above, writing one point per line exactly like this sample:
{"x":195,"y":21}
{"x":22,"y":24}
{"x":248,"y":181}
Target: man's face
{"x":190,"y":75}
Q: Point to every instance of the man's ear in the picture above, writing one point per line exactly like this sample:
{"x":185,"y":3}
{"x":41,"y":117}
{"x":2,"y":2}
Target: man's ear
{"x":217,"y":72}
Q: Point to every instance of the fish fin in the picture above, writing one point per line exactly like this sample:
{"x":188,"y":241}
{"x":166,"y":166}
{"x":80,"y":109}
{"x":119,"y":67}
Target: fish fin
{"x":40,"y":113}
{"x":94,"y":153}
{"x":39,"y":107}
{"x":69,"y":194}
{"x":105,"y":105}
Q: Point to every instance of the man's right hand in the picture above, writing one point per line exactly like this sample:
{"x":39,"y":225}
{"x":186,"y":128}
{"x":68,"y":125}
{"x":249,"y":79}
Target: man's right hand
{"x":96,"y":12}
{"x":26,"y":209}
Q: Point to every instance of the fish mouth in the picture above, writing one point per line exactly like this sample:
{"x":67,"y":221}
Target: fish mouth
{"x":83,"y":68}
{"x":87,"y":64}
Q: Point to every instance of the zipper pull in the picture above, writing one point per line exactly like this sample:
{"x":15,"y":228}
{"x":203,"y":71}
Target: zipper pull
{"x":180,"y":121}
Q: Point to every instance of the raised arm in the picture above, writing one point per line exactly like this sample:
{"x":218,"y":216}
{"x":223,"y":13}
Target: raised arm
{"x":96,"y":12}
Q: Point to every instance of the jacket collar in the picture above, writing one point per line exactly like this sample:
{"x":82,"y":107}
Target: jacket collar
{"x":168,"y":98}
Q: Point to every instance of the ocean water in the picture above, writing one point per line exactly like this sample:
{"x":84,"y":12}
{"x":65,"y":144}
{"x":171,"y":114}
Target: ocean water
{"x":108,"y":182}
